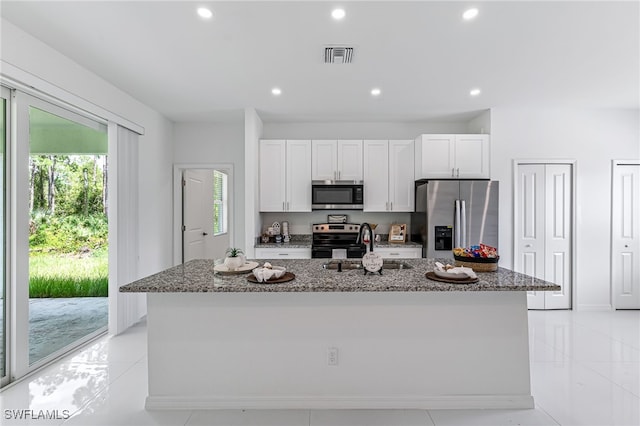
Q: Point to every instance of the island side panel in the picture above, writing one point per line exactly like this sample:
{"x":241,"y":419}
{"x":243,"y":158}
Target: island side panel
{"x":395,"y":350}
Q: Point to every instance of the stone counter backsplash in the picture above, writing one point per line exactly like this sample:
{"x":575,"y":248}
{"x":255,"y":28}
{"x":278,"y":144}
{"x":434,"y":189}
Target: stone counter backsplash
{"x":304,"y":241}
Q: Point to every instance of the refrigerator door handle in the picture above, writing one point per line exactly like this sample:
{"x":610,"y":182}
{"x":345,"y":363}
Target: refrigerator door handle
{"x":463,"y":228}
{"x":457,"y":224}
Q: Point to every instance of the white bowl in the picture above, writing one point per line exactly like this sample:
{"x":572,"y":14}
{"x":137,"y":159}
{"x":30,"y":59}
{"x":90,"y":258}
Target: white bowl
{"x":458,"y":273}
{"x":264,"y":274}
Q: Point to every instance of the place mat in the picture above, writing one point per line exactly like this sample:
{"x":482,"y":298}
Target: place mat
{"x":434,"y":277}
{"x":288,"y":276}
{"x":248,"y":266}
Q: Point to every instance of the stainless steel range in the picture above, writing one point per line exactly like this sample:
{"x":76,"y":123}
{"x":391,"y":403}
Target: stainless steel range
{"x":328,"y":237}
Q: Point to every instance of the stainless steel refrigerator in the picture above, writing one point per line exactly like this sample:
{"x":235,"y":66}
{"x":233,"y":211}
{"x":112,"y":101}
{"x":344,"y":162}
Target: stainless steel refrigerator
{"x":454,"y":213}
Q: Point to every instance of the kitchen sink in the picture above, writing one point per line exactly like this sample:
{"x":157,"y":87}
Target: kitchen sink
{"x":357,"y":264}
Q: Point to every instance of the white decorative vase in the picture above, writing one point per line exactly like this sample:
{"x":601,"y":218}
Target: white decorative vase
{"x":233,"y":263}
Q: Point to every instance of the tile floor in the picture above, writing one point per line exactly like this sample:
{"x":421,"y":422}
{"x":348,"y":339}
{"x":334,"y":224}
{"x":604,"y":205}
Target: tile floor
{"x":585,"y":370}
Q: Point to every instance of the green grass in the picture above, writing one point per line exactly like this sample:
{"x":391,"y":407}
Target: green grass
{"x":59,"y":275}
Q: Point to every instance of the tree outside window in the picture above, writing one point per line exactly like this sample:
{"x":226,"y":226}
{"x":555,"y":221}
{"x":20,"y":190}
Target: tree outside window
{"x":220,"y":207}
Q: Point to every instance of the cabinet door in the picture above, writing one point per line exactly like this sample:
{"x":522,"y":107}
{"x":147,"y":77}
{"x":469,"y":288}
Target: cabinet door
{"x":401,"y":176}
{"x":399,"y":253}
{"x":350,"y":160}
{"x":272,"y":175}
{"x":283,"y":253}
{"x":298,"y":176}
{"x":376,"y":176}
{"x":472,"y":156}
{"x":324,"y":160}
{"x":435,"y":156}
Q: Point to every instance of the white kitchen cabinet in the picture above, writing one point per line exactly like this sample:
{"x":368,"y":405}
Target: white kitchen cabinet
{"x":399,"y":252}
{"x":336,"y":160}
{"x":285,"y":176}
{"x":376,"y":176}
{"x":452,"y":156}
{"x":388,"y":175}
{"x":283,"y":253}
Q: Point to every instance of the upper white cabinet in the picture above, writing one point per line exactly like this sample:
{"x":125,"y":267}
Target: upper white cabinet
{"x":336,"y":160}
{"x":452,"y":156}
{"x":285,"y":176}
{"x":388,"y":175}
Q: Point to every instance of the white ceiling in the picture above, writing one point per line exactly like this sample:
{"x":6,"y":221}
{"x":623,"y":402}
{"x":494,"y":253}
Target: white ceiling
{"x":421,"y":54}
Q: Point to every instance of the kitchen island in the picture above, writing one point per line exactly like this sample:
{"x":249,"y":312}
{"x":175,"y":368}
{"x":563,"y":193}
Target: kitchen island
{"x":332,"y":339}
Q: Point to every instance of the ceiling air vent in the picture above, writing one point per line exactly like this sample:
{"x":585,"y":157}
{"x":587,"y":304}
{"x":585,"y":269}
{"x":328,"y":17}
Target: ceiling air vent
{"x":338,"y":55}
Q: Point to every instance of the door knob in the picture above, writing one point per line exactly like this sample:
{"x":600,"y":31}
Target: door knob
{"x":204,"y":234}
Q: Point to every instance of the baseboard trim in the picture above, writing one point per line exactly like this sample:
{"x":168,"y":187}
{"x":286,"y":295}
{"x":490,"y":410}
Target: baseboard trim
{"x":290,"y":403}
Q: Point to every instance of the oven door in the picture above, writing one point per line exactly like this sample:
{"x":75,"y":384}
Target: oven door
{"x":321,"y":252}
{"x":336,"y":196}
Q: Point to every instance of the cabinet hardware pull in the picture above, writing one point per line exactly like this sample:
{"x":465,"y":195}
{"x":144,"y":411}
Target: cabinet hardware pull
{"x":391,"y":206}
{"x":283,"y":206}
{"x":394,"y":254}
{"x":283,"y":254}
{"x":452,"y":173}
{"x":458,"y":172}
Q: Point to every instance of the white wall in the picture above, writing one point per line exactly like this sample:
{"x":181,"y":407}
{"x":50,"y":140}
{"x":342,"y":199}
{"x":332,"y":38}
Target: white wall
{"x":481,"y":124}
{"x":363,"y":130}
{"x":216,"y":143}
{"x":593,"y":138}
{"x":33,"y":56}
{"x":253,"y":130}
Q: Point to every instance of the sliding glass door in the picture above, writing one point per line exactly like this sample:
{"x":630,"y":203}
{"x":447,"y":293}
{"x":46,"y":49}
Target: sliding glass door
{"x":4,"y":137}
{"x":60,"y":264}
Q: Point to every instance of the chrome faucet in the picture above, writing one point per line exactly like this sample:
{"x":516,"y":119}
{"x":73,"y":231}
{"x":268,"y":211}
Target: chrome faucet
{"x":362,"y":236}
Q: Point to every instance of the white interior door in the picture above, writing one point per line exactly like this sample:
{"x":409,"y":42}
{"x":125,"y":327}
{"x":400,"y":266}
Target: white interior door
{"x":529,"y":226}
{"x":557,"y":257}
{"x":197,"y":201}
{"x":543,"y":230}
{"x":625,"y":235}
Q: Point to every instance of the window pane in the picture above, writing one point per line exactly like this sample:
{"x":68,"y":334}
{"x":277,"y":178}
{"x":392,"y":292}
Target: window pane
{"x":68,"y":232}
{"x":219,"y":202}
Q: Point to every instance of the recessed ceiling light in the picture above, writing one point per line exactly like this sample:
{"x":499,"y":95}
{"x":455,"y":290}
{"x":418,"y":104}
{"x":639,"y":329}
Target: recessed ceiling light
{"x":474,"y":92}
{"x":276,"y":91}
{"x":470,"y":14}
{"x":205,"y":13}
{"x":375,"y":92}
{"x":338,"y":14}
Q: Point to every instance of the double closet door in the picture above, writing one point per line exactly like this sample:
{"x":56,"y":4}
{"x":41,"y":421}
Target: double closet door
{"x":543,"y":230}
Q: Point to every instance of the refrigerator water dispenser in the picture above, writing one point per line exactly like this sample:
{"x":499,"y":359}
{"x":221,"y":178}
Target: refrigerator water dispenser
{"x":444,"y":238}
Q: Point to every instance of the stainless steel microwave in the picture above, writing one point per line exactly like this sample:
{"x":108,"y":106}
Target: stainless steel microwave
{"x":337,"y":195}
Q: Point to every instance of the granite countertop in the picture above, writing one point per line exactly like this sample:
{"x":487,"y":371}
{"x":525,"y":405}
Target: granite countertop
{"x":198,"y":276}
{"x":297,"y":241}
